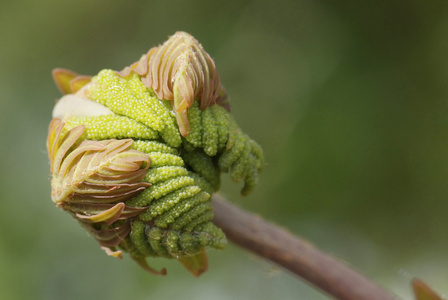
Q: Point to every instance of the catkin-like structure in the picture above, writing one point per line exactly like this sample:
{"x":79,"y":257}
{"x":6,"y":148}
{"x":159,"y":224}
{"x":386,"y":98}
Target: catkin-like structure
{"x":127,"y":173}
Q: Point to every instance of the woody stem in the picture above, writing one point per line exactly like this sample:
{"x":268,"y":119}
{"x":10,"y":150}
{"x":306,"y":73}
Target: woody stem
{"x":291,"y":252}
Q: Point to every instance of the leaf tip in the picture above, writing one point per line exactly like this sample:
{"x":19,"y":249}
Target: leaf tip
{"x":422,"y":291}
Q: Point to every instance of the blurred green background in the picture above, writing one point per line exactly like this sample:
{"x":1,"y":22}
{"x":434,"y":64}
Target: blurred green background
{"x":348,"y":99}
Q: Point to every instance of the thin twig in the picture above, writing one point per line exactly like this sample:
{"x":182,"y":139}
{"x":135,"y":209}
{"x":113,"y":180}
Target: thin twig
{"x":278,"y":245}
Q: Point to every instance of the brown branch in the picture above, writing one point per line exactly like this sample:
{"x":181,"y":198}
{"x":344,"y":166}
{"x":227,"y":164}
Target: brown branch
{"x":278,"y":245}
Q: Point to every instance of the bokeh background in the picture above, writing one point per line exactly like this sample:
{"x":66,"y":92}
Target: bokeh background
{"x":348,"y":99}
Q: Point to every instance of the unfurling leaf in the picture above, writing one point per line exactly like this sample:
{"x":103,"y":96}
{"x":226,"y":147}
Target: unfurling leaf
{"x":68,"y":81}
{"x":62,"y":78}
{"x":92,"y":178}
{"x":180,"y":70}
{"x":93,"y":171}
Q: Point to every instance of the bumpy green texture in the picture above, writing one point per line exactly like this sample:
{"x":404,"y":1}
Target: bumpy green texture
{"x":183,"y":171}
{"x":214,"y":134}
{"x":112,"y":127}
{"x":131,"y":98}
